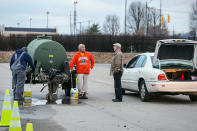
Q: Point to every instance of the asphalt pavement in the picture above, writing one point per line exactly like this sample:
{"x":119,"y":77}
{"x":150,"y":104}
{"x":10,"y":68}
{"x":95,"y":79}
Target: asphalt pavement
{"x":99,"y":113}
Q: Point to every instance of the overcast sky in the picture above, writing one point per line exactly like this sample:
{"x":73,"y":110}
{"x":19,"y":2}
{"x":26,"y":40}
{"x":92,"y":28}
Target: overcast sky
{"x":14,"y":11}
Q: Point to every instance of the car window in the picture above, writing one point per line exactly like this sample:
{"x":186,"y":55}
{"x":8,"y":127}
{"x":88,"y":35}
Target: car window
{"x":132,"y":62}
{"x":141,"y":61}
{"x":152,"y":57}
{"x":144,"y":62}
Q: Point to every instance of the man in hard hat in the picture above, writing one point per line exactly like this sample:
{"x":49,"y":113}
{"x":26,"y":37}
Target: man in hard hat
{"x":84,"y":61}
{"x":116,"y":70}
{"x":18,"y":64}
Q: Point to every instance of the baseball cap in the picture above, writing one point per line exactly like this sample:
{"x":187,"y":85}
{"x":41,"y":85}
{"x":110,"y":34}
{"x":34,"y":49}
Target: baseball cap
{"x":117,"y":44}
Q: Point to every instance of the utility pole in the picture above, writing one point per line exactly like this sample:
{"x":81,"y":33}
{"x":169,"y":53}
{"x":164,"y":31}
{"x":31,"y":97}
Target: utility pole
{"x":160,"y":15}
{"x":80,"y":27}
{"x":89,"y":23}
{"x":71,"y":32}
{"x":30,"y":19}
{"x":160,"y":32}
{"x":125,"y":24}
{"x":196,"y":22}
{"x":47,"y":18}
{"x":146,"y":21}
{"x":75,"y":16}
{"x":173,"y":31}
{"x":18,"y":24}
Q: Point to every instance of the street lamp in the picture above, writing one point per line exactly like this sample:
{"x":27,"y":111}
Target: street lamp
{"x":75,"y":2}
{"x":47,"y":18}
{"x":30,"y":19}
{"x":18,"y":24}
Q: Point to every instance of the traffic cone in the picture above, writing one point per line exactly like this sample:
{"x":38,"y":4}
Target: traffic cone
{"x":15,"y":124}
{"x":29,"y":127}
{"x":7,"y":111}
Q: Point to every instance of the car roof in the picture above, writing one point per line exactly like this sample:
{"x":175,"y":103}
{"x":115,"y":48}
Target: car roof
{"x":184,"y":41}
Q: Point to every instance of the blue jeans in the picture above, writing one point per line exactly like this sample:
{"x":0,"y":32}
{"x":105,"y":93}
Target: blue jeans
{"x":117,"y":85}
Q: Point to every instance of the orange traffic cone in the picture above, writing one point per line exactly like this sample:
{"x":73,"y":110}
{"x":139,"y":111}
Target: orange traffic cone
{"x":7,"y":111}
{"x":15,"y":124}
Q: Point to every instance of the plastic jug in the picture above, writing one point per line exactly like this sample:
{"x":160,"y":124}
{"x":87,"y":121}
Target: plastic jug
{"x":74,"y":93}
{"x":27,"y":96}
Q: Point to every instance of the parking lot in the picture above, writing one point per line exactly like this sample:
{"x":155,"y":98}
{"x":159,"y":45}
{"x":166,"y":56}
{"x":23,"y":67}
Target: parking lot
{"x":99,"y":113}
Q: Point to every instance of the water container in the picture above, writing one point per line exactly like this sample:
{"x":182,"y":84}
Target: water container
{"x":74,"y":93}
{"x":27,"y":96}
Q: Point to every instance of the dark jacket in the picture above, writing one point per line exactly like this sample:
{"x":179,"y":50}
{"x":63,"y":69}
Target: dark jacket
{"x":25,"y":59}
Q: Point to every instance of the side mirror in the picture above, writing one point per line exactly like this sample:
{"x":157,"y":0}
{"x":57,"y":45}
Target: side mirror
{"x":125,"y":65}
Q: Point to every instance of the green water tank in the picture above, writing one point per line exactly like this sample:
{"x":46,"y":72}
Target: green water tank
{"x":47,"y":53}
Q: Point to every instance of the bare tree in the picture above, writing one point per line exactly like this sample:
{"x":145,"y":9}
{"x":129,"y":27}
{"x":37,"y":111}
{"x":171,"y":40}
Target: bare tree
{"x":193,"y":16}
{"x":111,"y":25}
{"x":153,"y":20}
{"x":135,"y":16}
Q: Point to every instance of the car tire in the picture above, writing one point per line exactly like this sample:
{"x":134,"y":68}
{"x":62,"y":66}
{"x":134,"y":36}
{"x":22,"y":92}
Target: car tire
{"x":123,"y":91}
{"x":193,"y":97}
{"x":144,"y":95}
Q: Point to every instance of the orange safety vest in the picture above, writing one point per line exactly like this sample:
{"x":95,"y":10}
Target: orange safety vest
{"x":83,"y":61}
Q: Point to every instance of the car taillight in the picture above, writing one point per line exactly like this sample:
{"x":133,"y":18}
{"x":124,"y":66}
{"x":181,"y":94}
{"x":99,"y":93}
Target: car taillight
{"x":162,"y":77}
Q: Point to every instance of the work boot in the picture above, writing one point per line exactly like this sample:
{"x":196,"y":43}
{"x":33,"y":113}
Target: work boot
{"x":80,"y":96}
{"x":116,"y":100}
{"x":85,"y":96}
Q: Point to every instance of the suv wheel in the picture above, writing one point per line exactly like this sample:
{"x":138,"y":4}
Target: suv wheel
{"x":144,"y":95}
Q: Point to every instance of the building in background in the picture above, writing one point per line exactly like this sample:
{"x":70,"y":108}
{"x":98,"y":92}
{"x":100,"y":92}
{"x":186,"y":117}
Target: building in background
{"x":7,"y":31}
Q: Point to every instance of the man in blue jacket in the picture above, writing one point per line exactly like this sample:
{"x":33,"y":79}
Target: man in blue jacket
{"x":18,"y":64}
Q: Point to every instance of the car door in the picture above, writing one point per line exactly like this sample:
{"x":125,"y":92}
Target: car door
{"x":139,"y":71}
{"x":128,"y":73}
{"x":134,"y":71}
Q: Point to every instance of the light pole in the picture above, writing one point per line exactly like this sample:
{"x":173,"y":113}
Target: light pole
{"x":30,"y":19}
{"x":75,"y":15}
{"x":196,"y":23}
{"x":146,"y":19}
{"x":125,"y":21}
{"x":18,"y":24}
{"x":47,"y":18}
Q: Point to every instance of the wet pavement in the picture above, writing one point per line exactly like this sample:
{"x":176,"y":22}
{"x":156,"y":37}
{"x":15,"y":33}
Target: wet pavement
{"x":99,"y":113}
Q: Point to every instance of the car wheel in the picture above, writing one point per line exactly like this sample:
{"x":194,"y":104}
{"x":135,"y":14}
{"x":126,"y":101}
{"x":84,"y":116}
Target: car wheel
{"x":144,"y":95}
{"x":123,"y":91}
{"x":193,"y":97}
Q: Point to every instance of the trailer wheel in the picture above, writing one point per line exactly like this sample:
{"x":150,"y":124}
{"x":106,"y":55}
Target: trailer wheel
{"x":193,"y":97}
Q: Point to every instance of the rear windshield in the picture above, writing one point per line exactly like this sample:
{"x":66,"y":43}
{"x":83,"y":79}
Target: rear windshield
{"x":178,"y":51}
